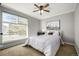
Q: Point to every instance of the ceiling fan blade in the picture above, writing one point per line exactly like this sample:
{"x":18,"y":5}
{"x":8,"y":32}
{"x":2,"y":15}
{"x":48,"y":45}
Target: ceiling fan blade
{"x":35,"y":10}
{"x":47,"y":10}
{"x":46,"y":5}
{"x":36,"y":5}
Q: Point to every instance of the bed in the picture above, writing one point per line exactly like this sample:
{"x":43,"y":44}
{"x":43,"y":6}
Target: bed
{"x":47,"y":44}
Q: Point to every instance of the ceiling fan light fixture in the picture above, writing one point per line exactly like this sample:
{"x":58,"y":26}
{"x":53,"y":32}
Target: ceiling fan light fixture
{"x":41,"y":12}
{"x":41,"y":8}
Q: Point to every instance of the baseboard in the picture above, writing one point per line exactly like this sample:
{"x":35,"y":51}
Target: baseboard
{"x":1,"y":46}
{"x":69,"y":43}
{"x":77,"y":49}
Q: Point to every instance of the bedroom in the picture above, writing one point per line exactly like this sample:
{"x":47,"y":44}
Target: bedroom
{"x":36,"y":25}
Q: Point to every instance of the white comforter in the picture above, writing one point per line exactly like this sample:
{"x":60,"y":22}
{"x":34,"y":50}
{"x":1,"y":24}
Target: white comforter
{"x":48,"y":44}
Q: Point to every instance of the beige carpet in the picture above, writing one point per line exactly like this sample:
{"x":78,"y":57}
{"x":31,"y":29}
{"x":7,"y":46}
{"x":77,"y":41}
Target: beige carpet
{"x":65,"y":50}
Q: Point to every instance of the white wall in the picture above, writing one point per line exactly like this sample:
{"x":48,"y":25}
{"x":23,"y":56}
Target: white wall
{"x":33,"y":26}
{"x":66,"y":25}
{"x":43,"y":25}
{"x":0,"y":25}
{"x":77,"y":26}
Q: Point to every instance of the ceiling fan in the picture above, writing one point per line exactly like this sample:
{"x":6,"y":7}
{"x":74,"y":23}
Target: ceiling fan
{"x":41,"y":8}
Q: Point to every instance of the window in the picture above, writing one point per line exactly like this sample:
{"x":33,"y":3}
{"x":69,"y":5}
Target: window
{"x":54,"y":25}
{"x":14,"y":25}
{"x":9,"y":18}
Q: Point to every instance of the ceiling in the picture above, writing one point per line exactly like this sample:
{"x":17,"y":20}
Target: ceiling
{"x":55,"y":9}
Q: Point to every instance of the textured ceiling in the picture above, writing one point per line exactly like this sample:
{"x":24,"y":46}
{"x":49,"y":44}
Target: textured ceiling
{"x":55,"y":9}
